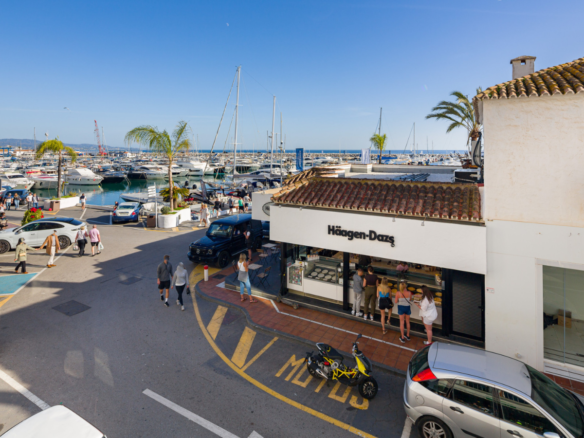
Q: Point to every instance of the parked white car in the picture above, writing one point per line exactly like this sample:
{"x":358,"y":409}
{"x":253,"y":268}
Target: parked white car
{"x":36,"y":232}
{"x":55,"y":422}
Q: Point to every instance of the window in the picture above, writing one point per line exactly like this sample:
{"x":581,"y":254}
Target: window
{"x":50,"y":226}
{"x":474,"y":395}
{"x":563,"y":319}
{"x":220,"y":230}
{"x":419,"y":362}
{"x":517,"y":411}
{"x":438,"y":386}
{"x":31,"y":227}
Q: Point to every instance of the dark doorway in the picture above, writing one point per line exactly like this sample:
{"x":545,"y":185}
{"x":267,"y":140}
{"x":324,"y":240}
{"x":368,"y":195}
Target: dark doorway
{"x":466,"y":299}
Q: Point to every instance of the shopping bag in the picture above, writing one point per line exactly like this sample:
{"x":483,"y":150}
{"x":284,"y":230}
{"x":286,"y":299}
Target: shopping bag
{"x":100,"y":246}
{"x":75,"y":247}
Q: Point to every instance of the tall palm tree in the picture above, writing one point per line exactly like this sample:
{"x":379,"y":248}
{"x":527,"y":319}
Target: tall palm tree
{"x":162,"y":142}
{"x":460,"y":113}
{"x":379,"y":143}
{"x":56,"y":146}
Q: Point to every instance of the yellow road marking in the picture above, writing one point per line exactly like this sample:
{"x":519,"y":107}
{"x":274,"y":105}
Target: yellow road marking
{"x":264,"y":388}
{"x":175,"y":229}
{"x":6,"y":300}
{"x":297,"y":380}
{"x":216,"y":321}
{"x":322,"y":382}
{"x":342,"y":398}
{"x":293,"y":362}
{"x":243,"y":347}
{"x":263,"y":350}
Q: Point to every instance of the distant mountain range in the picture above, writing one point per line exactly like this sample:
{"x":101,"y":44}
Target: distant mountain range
{"x":29,"y":144}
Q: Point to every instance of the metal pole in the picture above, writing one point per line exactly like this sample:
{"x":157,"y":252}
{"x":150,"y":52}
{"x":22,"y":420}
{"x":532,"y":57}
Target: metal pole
{"x":236,"y":119}
{"x":273,"y":126}
{"x":282,"y":151}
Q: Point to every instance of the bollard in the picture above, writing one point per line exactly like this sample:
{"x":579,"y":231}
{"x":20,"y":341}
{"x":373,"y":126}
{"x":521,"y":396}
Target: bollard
{"x":206,"y":273}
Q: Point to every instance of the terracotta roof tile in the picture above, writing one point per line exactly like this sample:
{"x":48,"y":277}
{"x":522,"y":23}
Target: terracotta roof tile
{"x":562,"y":79}
{"x":422,"y":199}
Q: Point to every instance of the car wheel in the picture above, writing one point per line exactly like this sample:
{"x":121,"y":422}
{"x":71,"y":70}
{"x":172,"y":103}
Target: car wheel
{"x":430,"y":427}
{"x":4,"y":246}
{"x":368,"y":389}
{"x":258,"y":243}
{"x":223,"y":259}
{"x":64,"y":242}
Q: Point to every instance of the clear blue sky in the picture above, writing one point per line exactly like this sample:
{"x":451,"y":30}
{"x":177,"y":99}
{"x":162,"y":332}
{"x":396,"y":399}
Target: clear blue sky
{"x":331,"y":65}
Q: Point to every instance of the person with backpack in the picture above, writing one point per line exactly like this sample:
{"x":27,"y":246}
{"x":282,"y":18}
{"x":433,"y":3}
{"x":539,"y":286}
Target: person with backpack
{"x":163,"y":276}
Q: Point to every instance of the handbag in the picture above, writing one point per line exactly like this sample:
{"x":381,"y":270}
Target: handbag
{"x":242,"y":276}
{"x":188,"y":290}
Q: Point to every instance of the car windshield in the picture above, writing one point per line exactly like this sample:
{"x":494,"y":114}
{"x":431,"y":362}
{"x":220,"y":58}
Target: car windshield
{"x":126,"y":207}
{"x":557,"y":402}
{"x":220,"y":230}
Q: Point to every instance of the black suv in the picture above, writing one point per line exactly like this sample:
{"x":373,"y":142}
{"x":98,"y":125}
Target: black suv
{"x":224,"y":240}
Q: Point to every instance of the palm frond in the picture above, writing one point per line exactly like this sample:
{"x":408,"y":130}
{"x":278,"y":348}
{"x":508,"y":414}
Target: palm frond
{"x":71,"y":152}
{"x":49,"y":146}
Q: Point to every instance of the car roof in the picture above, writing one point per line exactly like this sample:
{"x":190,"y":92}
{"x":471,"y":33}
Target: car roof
{"x":481,"y":364}
{"x":234,"y":220}
{"x":69,"y":220}
{"x":133,"y":204}
{"x":55,"y":422}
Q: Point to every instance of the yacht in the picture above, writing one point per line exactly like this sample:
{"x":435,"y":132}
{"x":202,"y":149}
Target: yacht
{"x":42,"y":181}
{"x":16,"y":180}
{"x":83,"y":177}
{"x":147,"y":171}
{"x":177,"y":171}
{"x":193,"y":168}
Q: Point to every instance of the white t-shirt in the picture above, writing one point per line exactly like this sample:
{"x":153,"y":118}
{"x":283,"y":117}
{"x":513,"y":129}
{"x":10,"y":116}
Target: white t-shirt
{"x":241,"y":266}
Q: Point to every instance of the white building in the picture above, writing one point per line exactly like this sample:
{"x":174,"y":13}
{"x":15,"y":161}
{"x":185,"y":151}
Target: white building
{"x":534,"y":213}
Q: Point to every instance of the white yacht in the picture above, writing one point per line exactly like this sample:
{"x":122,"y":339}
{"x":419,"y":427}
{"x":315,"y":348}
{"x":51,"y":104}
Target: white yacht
{"x":42,"y":181}
{"x":83,"y":177}
{"x":147,"y":171}
{"x":16,"y":180}
{"x":177,"y":171}
{"x":193,"y":168}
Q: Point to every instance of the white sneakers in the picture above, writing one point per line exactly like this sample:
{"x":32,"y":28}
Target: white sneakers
{"x":353,"y":312}
{"x":177,"y":302}
{"x":371,"y":317}
{"x":365,"y":317}
{"x":360,"y":314}
{"x":182,"y":307}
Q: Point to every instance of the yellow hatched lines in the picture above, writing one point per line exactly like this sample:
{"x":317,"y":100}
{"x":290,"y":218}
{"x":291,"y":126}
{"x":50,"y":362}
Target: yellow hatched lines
{"x":5,"y":300}
{"x":216,"y":321}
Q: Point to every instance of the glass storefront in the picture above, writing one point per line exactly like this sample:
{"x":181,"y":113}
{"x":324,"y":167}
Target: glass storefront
{"x":563,"y":308}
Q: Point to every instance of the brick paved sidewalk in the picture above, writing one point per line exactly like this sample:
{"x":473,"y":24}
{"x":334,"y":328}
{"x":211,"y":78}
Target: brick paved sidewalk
{"x":315,"y":326}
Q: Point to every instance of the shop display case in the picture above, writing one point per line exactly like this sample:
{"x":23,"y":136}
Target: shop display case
{"x":325,"y":270}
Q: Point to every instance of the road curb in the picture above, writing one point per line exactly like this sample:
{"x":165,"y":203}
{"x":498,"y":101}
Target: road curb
{"x":251,"y":323}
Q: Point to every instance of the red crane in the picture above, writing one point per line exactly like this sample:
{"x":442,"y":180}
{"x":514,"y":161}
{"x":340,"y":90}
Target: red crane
{"x":101,"y":149}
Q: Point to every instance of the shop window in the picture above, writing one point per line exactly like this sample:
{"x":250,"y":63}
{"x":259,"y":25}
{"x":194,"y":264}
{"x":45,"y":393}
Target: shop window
{"x":474,"y":395}
{"x":563,"y":320}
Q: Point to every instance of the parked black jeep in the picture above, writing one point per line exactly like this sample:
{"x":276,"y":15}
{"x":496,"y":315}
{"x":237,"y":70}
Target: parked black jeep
{"x":224,"y":240}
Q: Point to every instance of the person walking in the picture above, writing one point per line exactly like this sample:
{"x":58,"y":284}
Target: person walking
{"x":428,"y":312}
{"x":230,"y":205}
{"x":16,"y":201}
{"x":8,"y":201}
{"x":180,"y":279}
{"x":81,"y":239}
{"x":29,"y":201}
{"x":216,"y":207}
{"x":53,"y":247}
{"x":240,"y":204}
{"x":404,"y":310}
{"x":243,"y":277}
{"x":370,"y":283}
{"x":358,"y":289}
{"x":20,"y":255}
{"x":82,"y":200}
{"x":95,"y":238}
{"x":247,"y":201}
{"x":35,"y":201}
{"x":203,"y":213}
{"x":163,"y":276}
{"x":248,"y":242}
{"x":385,"y":303}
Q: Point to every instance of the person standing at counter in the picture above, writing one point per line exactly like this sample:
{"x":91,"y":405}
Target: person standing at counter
{"x":428,"y":312}
{"x":364,"y":262}
{"x":370,"y":283}
{"x":404,"y":310}
{"x":402,"y":269}
{"x":384,"y":295}
{"x":358,"y":292}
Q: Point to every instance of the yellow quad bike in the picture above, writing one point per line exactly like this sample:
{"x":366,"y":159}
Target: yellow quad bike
{"x":328,"y":364}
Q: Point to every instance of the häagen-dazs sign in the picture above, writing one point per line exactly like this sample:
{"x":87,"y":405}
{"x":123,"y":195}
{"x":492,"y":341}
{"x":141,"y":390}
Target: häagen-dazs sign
{"x":336,"y":230}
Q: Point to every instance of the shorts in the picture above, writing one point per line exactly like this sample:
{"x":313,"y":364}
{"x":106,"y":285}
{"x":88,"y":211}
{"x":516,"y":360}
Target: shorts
{"x":404,"y":310}
{"x":384,"y":304}
{"x":428,"y":321}
{"x":164,"y":285}
{"x":241,"y":208}
{"x":94,"y":243}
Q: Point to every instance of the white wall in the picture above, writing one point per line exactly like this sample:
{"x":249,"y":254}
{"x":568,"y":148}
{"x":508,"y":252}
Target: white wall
{"x":446,"y":245}
{"x":534,"y":159}
{"x":258,"y":199}
{"x":516,"y":253}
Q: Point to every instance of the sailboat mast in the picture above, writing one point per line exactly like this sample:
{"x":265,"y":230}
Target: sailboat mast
{"x":236,"y":119}
{"x":273,"y":126}
{"x":414,"y":138}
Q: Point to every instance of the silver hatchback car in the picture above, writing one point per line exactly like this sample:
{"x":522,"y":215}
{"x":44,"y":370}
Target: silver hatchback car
{"x":455,"y":391}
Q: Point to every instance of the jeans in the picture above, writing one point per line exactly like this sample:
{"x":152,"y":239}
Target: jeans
{"x":23,"y":265}
{"x":370,"y":298}
{"x":357,"y":305}
{"x":81,"y":245}
{"x":243,"y":284}
{"x":8,"y":204}
{"x":16,"y":204}
{"x":35,"y":205}
{"x":179,"y":290}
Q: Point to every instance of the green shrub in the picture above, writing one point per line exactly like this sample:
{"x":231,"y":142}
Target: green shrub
{"x":32,"y":215}
{"x":165,"y":210}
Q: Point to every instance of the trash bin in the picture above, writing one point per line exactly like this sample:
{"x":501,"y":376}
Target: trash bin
{"x":151,"y":221}
{"x":55,"y":205}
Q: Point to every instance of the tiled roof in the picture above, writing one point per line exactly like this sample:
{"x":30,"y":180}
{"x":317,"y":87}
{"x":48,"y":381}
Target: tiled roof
{"x":562,"y":79}
{"x":304,"y":176}
{"x":422,"y":199}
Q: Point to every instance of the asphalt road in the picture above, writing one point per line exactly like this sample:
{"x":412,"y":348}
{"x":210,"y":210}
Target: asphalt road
{"x":99,"y":362}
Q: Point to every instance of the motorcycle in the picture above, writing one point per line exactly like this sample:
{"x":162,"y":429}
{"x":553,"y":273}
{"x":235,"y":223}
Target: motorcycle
{"x":328,"y":364}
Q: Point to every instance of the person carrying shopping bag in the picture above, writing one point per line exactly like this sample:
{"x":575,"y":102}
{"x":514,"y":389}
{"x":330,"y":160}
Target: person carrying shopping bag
{"x":20,"y":255}
{"x":81,"y":239}
{"x":243,"y":277}
{"x":180,"y":279}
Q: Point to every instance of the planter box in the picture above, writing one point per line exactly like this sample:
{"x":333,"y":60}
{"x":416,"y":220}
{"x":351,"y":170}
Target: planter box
{"x":64,"y":202}
{"x":174,"y":220}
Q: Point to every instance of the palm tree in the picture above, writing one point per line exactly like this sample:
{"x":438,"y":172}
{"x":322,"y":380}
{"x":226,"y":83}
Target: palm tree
{"x":379,"y":143}
{"x":56,"y":146}
{"x":163,"y":143}
{"x":460,"y":113}
{"x":176,"y":190}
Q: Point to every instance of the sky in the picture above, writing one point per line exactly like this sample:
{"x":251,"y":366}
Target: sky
{"x":331,"y":65}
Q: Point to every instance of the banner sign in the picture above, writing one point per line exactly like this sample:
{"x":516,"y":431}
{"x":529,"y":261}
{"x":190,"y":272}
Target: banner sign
{"x":300,"y":159}
{"x":336,"y":230}
{"x":365,"y":156}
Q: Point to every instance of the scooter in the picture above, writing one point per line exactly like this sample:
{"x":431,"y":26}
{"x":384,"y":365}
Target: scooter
{"x":328,"y":364}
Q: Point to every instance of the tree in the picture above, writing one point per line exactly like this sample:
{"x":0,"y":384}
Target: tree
{"x":163,"y":143}
{"x":57,"y":147}
{"x":460,"y":113}
{"x":176,"y":190}
{"x":379,"y":143}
